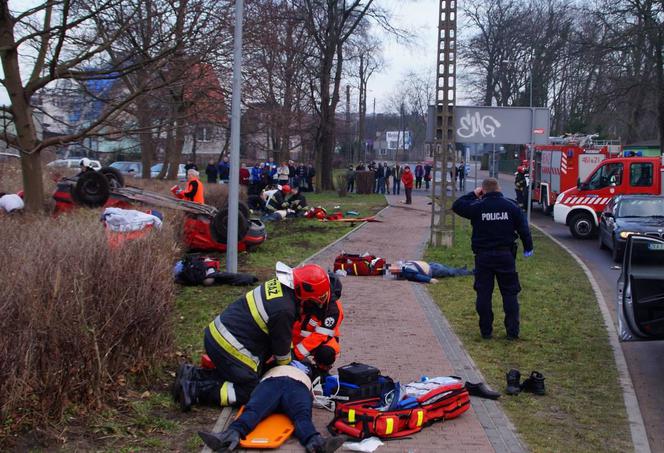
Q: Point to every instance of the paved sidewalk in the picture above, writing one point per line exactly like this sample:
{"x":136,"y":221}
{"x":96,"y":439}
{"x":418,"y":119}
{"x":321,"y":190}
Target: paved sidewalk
{"x":395,"y":326}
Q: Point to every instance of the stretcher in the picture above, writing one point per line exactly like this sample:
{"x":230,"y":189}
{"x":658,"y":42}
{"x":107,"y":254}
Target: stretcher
{"x":271,"y":432}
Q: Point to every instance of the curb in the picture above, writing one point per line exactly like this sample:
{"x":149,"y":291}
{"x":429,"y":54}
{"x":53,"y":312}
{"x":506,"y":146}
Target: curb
{"x":636,"y":425}
{"x":227,"y":412}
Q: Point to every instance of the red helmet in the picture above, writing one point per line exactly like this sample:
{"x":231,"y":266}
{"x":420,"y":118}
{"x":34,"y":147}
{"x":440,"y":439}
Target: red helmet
{"x":286,"y":188}
{"x":521,"y":169}
{"x":311,"y":283}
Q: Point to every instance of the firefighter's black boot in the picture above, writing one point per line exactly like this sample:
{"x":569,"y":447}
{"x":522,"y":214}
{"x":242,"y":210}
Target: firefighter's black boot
{"x":224,"y":441}
{"x":481,"y":390}
{"x":184,"y":373}
{"x":513,"y":382}
{"x":319,"y":444}
{"x":534,"y":384}
{"x":188,"y":391}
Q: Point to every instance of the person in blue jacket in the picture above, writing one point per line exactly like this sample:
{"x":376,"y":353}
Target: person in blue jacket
{"x":423,"y":272}
{"x":497,"y":222}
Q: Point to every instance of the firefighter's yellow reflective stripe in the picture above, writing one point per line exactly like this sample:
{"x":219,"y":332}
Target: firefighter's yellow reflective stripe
{"x":231,"y":345}
{"x":389,"y":421}
{"x":273,"y":289}
{"x":253,"y":304}
{"x":351,"y":415}
{"x":283,"y":359}
{"x":420,"y":418}
{"x":302,"y":350}
{"x":355,"y":269}
{"x":227,"y":394}
{"x":325,"y":331}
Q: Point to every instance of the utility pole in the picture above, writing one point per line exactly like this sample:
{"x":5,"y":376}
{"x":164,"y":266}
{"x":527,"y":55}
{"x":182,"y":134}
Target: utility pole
{"x":532,"y":145}
{"x":234,"y":177}
{"x":444,"y":155}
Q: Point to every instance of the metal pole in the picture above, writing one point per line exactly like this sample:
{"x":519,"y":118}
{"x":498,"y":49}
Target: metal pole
{"x":532,"y":146}
{"x":234,"y":177}
{"x":494,"y":174}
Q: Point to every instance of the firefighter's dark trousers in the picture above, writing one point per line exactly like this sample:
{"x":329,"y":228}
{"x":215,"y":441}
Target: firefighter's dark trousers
{"x":501,"y":265}
{"x":231,"y":382}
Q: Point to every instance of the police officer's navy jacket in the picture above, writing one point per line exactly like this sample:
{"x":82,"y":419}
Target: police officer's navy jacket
{"x":258,"y":325}
{"x":495,"y":220}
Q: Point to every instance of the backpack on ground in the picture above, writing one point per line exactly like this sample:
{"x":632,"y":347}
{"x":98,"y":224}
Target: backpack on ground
{"x":359,"y":264}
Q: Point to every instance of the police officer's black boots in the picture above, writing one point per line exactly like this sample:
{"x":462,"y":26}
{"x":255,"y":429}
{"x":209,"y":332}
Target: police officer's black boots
{"x":224,"y":441}
{"x":513,"y":382}
{"x":481,"y":390}
{"x":534,"y":384}
{"x":320,"y":444}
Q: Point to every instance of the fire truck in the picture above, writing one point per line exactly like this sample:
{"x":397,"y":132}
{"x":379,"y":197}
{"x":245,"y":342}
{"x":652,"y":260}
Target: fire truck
{"x":560,"y":165}
{"x":580,"y":207}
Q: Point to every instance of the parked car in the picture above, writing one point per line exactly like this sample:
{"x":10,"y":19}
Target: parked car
{"x":9,"y":157}
{"x":640,"y":301}
{"x":626,"y":215}
{"x":156,"y":169}
{"x":128,"y":168}
{"x":73,"y":163}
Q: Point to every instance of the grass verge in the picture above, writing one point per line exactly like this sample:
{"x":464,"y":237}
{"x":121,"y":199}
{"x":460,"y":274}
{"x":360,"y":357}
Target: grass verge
{"x":149,"y":421}
{"x":562,"y":335}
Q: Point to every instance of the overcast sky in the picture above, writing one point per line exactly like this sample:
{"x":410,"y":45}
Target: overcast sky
{"x":417,"y":16}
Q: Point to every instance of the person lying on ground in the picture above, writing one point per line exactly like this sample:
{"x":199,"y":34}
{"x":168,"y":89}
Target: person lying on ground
{"x":255,"y":329}
{"x":286,"y":389}
{"x":423,"y":272}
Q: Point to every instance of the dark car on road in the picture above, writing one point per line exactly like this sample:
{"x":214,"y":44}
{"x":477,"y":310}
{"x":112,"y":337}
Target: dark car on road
{"x":626,"y":215}
{"x":640,"y":301}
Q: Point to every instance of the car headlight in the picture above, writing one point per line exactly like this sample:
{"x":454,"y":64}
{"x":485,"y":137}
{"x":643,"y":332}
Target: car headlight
{"x":626,"y":234}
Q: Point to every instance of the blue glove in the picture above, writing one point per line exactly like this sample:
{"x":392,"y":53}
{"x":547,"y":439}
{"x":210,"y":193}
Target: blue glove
{"x":528,"y":253}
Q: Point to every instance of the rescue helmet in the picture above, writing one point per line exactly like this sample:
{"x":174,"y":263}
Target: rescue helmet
{"x":521,"y":169}
{"x":85,"y":163}
{"x":285,"y":188}
{"x":311,"y":283}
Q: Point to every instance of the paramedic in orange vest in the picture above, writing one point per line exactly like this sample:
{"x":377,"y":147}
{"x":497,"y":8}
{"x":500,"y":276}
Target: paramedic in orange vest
{"x":195,"y":190}
{"x":316,"y":332}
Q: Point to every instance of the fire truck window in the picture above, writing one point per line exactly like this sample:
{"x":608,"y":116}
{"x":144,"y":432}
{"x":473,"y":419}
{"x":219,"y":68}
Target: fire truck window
{"x":640,"y":175}
{"x":606,"y":175}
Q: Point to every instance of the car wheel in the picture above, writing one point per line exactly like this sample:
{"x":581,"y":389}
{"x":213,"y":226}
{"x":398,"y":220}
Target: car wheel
{"x":92,"y":189}
{"x":115,"y":178}
{"x":219,"y":226}
{"x":581,"y":226}
{"x":616,"y":253}
{"x":602,"y":245}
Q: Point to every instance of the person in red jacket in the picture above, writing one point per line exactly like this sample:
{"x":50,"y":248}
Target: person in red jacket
{"x":407,"y":180}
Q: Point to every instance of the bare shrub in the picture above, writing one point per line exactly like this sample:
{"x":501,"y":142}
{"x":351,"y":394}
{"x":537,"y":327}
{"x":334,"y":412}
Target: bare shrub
{"x":76,"y":315}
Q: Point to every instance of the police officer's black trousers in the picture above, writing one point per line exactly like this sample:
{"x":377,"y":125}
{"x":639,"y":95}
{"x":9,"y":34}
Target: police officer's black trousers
{"x":227,"y":369}
{"x":500,"y":264}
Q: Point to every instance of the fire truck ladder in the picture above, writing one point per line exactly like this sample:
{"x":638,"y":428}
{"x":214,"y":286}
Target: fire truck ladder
{"x":444,"y":152}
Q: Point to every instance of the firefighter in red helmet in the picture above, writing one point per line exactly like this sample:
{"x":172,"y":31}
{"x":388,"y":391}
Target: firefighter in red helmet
{"x":520,"y":185}
{"x":253,"y":331}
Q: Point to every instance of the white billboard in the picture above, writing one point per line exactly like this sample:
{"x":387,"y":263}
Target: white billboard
{"x":395,"y":139}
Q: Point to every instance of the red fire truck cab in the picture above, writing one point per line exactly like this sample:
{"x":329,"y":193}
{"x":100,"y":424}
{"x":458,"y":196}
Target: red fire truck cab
{"x":580,"y":206}
{"x":559,"y":167}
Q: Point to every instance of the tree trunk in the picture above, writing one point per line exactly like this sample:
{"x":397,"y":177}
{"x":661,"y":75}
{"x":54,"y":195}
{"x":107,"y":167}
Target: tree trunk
{"x":178,"y":144}
{"x":26,"y":134}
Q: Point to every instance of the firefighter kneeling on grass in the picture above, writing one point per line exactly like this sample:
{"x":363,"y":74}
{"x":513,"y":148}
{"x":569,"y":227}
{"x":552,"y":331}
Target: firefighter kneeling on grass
{"x":249,"y":333}
{"x":316,"y":332}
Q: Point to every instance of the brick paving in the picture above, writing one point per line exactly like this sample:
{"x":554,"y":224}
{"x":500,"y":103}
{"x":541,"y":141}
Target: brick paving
{"x":395,"y":326}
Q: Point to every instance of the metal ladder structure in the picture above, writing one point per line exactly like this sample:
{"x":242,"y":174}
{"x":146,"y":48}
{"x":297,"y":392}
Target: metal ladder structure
{"x":444,"y":151}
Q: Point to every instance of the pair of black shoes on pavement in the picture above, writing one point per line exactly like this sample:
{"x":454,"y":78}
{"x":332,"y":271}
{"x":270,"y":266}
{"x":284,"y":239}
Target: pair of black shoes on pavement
{"x":533,"y":384}
{"x":229,"y":440}
{"x":481,"y":390}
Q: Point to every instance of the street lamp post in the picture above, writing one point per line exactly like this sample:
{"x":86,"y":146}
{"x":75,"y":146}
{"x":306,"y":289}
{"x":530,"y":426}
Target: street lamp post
{"x":234,"y":177}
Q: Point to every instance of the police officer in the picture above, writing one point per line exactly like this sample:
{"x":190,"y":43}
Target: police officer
{"x":250,"y":333}
{"x":496,"y":222}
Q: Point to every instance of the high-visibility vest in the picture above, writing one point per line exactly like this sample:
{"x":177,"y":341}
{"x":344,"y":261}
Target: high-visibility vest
{"x":314,"y":330}
{"x":199,"y":195}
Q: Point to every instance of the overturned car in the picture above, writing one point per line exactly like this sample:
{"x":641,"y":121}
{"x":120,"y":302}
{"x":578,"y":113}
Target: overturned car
{"x":205,"y":226}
